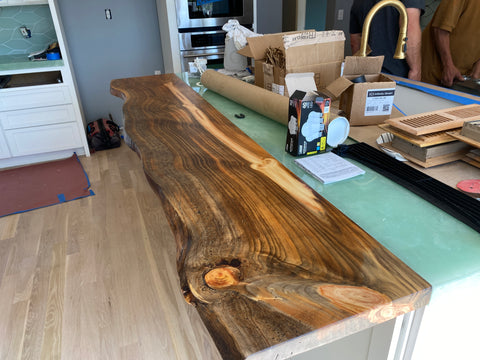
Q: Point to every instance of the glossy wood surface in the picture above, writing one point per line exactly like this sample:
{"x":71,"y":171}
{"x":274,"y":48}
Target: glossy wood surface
{"x":262,"y":256}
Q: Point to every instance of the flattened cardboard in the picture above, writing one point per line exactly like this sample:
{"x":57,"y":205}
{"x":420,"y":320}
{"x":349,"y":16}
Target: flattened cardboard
{"x":259,"y":80}
{"x":300,"y":81}
{"x":257,"y":45}
{"x":299,"y":57}
{"x":359,"y":65}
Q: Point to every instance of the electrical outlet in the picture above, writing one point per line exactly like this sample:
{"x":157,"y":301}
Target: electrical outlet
{"x":157,"y":72}
{"x":340,"y":15}
{"x":25,"y":32}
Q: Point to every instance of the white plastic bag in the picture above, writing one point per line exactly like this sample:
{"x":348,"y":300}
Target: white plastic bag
{"x":235,"y":39}
{"x":238,"y":33}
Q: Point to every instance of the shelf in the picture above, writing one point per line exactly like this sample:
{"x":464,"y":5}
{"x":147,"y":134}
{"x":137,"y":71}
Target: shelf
{"x":17,"y":64}
{"x":22,"y":2}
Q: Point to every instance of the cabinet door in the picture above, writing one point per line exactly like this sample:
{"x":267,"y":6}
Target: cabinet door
{"x":4,"y":151}
{"x":43,"y":139}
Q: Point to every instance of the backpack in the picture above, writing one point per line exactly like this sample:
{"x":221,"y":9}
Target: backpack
{"x":103,"y":134}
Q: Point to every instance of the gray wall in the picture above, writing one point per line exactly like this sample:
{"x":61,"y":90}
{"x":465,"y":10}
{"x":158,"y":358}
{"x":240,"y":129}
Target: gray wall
{"x":269,"y":16}
{"x":335,"y":21}
{"x":101,"y":50}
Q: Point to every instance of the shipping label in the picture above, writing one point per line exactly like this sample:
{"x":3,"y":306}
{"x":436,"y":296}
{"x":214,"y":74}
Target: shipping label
{"x":379,"y":102}
{"x":278,"y":89}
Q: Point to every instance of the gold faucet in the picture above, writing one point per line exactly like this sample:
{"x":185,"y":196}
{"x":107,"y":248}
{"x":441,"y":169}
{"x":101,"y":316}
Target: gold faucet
{"x":402,"y":36}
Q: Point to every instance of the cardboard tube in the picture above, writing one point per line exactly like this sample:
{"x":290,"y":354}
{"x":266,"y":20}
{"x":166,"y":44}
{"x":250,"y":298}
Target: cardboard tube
{"x":267,"y":103}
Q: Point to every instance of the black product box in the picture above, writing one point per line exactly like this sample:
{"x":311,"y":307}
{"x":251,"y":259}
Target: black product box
{"x":308,"y":116}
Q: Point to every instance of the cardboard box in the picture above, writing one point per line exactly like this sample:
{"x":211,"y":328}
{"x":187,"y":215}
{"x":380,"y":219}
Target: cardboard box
{"x":308,"y":121}
{"x":365,"y":103}
{"x":320,"y":52}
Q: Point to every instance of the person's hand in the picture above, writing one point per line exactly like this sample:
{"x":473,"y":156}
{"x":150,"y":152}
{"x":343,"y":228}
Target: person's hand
{"x":414,"y":75}
{"x":475,"y":74}
{"x":450,"y":74}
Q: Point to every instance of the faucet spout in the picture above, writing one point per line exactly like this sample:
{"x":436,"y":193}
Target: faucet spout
{"x":402,"y":36}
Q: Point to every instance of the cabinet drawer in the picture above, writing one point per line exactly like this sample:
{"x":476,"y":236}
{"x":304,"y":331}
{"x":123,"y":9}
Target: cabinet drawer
{"x":36,"y":117}
{"x":35,"y":96}
{"x":43,"y":139}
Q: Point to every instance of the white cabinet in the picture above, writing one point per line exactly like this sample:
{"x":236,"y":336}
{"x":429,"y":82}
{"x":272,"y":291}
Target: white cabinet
{"x":34,"y":96}
{"x":41,"y":118}
{"x":41,"y":129}
{"x":42,"y":139}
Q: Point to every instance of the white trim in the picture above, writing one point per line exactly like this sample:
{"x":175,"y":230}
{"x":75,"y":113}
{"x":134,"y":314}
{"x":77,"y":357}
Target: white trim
{"x":167,"y":21}
{"x":301,"y":12}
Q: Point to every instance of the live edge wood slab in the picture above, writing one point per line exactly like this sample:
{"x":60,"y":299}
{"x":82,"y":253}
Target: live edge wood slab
{"x":261,"y":255}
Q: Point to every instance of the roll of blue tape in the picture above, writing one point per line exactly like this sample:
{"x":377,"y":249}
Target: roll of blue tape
{"x":53,"y":56}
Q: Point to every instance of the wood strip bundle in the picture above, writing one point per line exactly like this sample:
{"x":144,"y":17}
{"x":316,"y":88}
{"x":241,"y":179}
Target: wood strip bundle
{"x":424,"y":138}
{"x":434,"y":121}
{"x":437,"y":138}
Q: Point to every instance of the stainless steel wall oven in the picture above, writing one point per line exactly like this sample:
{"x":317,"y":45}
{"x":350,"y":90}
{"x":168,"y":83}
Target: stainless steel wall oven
{"x":200,"y":27}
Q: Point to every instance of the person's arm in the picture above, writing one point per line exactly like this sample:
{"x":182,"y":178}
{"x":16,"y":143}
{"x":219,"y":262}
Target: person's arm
{"x":355,"y":40}
{"x":449,"y":70}
{"x":414,"y":44}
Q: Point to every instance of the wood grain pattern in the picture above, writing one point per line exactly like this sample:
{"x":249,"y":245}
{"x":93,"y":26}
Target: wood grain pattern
{"x":262,"y":256}
{"x":435,"y":121}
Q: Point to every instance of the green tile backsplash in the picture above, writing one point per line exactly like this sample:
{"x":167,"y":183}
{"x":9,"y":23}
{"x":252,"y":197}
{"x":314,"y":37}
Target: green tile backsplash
{"x":37,"y":18}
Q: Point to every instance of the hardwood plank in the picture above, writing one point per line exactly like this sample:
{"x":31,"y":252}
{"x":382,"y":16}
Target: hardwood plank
{"x":52,"y":336}
{"x":71,"y":328}
{"x":8,"y":226}
{"x":7,"y":291}
{"x":262,"y":257}
{"x":93,"y":322}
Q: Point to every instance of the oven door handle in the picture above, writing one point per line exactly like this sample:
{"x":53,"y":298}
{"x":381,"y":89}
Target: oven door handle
{"x":205,"y":54}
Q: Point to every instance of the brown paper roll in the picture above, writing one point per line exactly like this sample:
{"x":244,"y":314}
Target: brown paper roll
{"x":267,"y":103}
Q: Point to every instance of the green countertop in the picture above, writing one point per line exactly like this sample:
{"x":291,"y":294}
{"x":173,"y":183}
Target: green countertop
{"x":434,"y":244}
{"x":21,"y":63}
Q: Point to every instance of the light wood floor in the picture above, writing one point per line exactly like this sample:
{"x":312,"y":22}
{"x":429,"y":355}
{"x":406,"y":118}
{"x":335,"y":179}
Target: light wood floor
{"x":95,"y":278}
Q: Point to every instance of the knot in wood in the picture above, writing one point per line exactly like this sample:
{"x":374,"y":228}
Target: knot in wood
{"x":222,"y":277}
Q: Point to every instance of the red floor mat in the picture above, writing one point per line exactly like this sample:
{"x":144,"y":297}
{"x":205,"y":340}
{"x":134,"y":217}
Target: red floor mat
{"x":35,"y":186}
